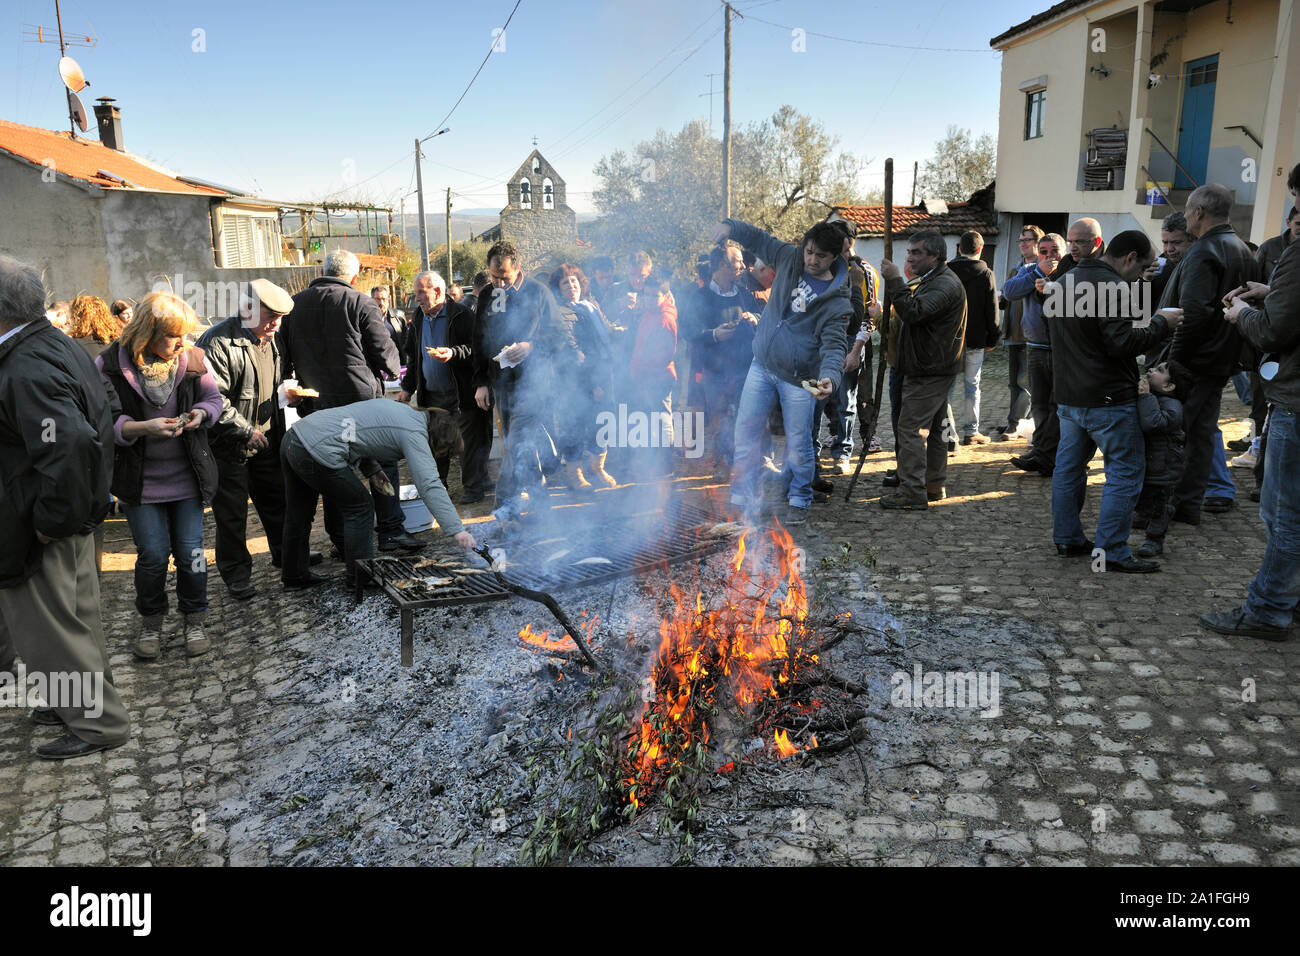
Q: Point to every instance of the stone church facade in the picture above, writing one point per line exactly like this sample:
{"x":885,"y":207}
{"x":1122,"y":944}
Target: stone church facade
{"x":536,"y":218}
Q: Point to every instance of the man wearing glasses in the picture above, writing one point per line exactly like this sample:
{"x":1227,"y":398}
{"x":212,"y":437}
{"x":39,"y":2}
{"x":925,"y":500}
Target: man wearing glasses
{"x":1014,"y":337}
{"x":243,"y":356}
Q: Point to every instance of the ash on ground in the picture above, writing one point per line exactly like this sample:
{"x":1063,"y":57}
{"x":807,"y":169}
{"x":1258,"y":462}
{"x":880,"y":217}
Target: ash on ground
{"x":365,"y":762}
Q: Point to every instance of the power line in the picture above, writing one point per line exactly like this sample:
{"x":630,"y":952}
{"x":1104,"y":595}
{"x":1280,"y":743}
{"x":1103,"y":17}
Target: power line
{"x":492,"y":49}
{"x":633,"y":104}
{"x":703,"y":23}
{"x":891,"y":46}
{"x":449,"y":112}
{"x":500,"y":178}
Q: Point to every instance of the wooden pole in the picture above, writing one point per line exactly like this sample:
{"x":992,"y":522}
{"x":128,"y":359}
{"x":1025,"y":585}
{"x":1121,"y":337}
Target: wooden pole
{"x":424,"y":233}
{"x":726,"y":112}
{"x":450,"y":278}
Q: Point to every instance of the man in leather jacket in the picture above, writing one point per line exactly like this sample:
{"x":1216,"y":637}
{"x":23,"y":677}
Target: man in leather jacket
{"x":1217,"y":263}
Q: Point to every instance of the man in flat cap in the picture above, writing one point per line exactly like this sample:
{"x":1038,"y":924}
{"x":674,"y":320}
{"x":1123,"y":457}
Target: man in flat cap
{"x":243,"y":356}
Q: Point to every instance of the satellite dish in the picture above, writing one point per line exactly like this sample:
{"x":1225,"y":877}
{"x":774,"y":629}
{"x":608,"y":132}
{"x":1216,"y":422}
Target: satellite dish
{"x":70,"y":71}
{"x":78,"y":111}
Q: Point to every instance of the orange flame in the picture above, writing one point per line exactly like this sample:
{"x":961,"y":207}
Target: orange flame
{"x":542,"y":640}
{"x":783,"y":745}
{"x":743,"y":644}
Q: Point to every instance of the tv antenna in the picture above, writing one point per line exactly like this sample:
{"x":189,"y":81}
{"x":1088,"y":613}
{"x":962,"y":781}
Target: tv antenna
{"x":69,"y":70}
{"x":711,"y":94}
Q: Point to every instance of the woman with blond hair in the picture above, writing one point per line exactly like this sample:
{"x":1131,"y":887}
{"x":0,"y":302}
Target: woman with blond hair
{"x":91,"y":325}
{"x":163,"y":470}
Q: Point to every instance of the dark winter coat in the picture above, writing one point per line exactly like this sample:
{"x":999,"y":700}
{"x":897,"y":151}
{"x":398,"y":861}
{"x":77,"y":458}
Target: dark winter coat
{"x":981,"y":301}
{"x":706,"y":311}
{"x":228,"y":349}
{"x":56,"y":445}
{"x":1274,"y":329}
{"x":526,"y":313}
{"x":932,"y":316}
{"x":335,"y":341}
{"x":1094,"y":358}
{"x":460,"y":339}
{"x":1161,"y":419}
{"x":1217,"y":263}
{"x":1270,"y":252}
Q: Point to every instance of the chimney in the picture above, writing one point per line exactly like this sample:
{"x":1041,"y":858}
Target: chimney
{"x":109,"y":118}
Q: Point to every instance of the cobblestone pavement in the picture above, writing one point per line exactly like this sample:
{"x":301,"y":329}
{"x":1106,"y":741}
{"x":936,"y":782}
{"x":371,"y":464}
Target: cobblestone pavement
{"x":1126,"y":733}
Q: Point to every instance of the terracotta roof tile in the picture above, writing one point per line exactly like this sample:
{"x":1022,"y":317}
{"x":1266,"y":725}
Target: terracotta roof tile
{"x":376,"y":263}
{"x":960,"y":217}
{"x":83,"y":159}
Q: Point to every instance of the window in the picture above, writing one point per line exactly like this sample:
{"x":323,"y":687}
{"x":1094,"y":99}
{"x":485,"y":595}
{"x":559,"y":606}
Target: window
{"x":1035,"y":101}
{"x":248,"y":240}
{"x":525,"y":194}
{"x":548,"y":194}
{"x":537,"y":164}
{"x":1204,"y":75}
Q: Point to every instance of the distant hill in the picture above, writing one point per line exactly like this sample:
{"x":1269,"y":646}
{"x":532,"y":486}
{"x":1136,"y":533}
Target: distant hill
{"x":465,"y":224}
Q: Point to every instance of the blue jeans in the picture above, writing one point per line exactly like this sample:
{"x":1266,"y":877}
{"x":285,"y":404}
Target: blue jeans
{"x":1241,"y":383}
{"x":172,"y":528}
{"x":1219,"y":484}
{"x":968,"y":411}
{"x":1274,"y":593}
{"x":1115,"y":430}
{"x":762,"y":392}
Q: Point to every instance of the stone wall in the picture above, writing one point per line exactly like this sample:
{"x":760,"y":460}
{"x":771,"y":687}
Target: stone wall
{"x":538,"y":232}
{"x":121,"y":244}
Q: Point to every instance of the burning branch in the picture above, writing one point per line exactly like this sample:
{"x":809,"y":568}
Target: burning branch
{"x":548,"y":602}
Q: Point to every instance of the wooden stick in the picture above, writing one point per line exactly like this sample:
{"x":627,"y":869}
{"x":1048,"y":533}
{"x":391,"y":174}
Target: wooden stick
{"x":541,"y":597}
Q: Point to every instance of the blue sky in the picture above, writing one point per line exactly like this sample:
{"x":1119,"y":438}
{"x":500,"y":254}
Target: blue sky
{"x":324,"y":99}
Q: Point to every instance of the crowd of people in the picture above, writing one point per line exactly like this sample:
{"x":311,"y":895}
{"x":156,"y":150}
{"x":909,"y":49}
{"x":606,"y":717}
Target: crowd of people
{"x":772,"y":338}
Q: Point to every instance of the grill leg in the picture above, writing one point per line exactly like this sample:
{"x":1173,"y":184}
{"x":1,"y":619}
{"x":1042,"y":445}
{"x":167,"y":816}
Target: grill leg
{"x":408,"y":638}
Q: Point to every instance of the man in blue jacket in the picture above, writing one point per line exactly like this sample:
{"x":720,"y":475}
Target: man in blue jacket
{"x":800,"y":338}
{"x":1021,"y":287}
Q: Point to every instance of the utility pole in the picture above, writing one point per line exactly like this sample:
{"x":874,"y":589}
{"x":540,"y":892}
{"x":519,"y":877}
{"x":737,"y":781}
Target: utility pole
{"x":726,"y":112}
{"x":916,"y":166}
{"x":424,"y":233}
{"x":419,"y":186}
{"x":450,"y":277}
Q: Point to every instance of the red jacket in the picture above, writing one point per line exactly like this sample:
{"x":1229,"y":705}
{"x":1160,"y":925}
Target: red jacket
{"x":656,"y":344}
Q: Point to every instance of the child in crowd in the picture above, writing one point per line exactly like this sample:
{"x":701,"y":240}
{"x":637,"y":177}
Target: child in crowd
{"x":1160,"y":413}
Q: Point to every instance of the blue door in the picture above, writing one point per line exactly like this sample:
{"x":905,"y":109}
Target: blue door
{"x":1199,"y":79}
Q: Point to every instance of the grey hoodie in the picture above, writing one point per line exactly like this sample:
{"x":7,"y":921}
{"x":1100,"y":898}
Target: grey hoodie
{"x":811,"y":345}
{"x":382,"y":430}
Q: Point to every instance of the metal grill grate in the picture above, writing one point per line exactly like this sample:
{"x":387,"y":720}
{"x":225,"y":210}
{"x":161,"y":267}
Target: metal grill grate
{"x":632,"y":544}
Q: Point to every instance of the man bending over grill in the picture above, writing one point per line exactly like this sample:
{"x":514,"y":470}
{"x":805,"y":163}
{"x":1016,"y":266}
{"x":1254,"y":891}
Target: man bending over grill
{"x":319,"y":454}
